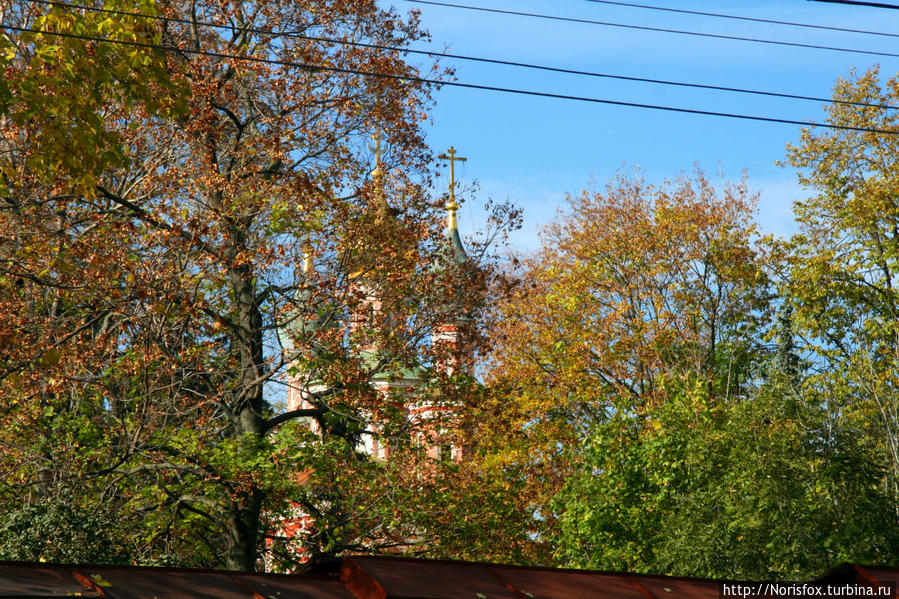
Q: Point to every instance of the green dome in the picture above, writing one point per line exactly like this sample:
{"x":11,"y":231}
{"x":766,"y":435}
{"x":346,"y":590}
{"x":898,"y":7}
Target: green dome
{"x":456,"y":249}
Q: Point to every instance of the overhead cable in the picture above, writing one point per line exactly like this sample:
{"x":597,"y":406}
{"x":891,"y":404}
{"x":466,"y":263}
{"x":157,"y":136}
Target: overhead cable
{"x":480,"y":59}
{"x":437,"y":82}
{"x":860,"y":3}
{"x":752,"y":19}
{"x":654,"y":29}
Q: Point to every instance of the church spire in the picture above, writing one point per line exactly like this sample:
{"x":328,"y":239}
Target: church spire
{"x":377,"y":173}
{"x":307,"y":259}
{"x":451,"y":205}
{"x":457,"y":251}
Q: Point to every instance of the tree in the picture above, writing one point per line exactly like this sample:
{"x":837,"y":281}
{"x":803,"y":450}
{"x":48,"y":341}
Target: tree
{"x":643,"y":311}
{"x":777,"y":487}
{"x":141,"y":354}
{"x":635,"y":289}
{"x":843,"y":277}
{"x":58,"y":530}
{"x":660,"y":428}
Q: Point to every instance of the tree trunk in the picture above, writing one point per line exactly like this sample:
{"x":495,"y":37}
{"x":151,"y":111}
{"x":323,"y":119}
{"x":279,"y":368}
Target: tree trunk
{"x":243,"y":531}
{"x":244,"y":517}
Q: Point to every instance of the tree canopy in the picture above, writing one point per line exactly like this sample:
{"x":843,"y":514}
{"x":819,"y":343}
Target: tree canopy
{"x":194,"y":228}
{"x":843,"y":279}
{"x":150,"y":273}
{"x":665,"y":411}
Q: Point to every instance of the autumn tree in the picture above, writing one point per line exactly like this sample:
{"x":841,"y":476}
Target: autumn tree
{"x":143,"y":302}
{"x":53,"y":96}
{"x":645,"y":304}
{"x":636,"y":290}
{"x":657,"y":392}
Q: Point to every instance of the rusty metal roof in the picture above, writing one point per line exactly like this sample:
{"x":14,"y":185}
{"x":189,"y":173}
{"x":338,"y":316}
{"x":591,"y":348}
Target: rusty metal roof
{"x":30,"y":580}
{"x":397,"y":578}
{"x":861,"y":575}
{"x":376,"y":578}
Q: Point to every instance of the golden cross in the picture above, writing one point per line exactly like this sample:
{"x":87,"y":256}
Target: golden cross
{"x":451,"y":205}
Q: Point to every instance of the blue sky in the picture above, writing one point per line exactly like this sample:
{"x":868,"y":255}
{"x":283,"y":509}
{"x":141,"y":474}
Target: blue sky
{"x":535,"y":150}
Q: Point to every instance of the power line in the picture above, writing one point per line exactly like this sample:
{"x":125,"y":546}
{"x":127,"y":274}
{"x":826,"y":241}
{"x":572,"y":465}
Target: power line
{"x":752,"y":19}
{"x":859,"y":3}
{"x":470,"y":58}
{"x":655,"y":29}
{"x":415,"y":79}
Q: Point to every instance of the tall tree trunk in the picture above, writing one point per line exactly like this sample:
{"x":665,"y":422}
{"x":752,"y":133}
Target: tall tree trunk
{"x":244,"y":517}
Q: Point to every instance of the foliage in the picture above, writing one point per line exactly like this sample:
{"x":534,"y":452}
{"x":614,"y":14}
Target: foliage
{"x":843,"y":279}
{"x":56,"y":86}
{"x":483,"y":507}
{"x":763,"y":489}
{"x":152,"y":307}
{"x":641,"y":299}
{"x":633,"y":286}
{"x":58,"y":530}
{"x":659,"y":429}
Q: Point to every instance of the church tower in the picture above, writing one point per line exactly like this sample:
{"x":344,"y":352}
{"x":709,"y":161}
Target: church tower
{"x":449,"y":337}
{"x":449,"y":342}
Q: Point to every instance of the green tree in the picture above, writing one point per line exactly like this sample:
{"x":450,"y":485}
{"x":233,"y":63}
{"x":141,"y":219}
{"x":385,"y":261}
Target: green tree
{"x":56,"y":529}
{"x":57,"y":87}
{"x":843,"y":278}
{"x":778,"y":487}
